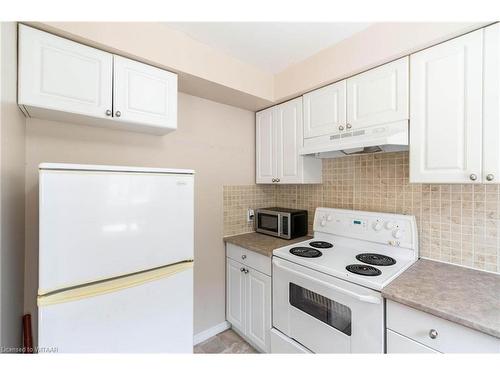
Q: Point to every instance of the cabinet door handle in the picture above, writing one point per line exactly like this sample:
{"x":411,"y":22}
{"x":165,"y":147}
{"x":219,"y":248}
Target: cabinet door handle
{"x":242,"y":269}
{"x":473,"y":177}
{"x":118,"y":113}
{"x":341,"y":127}
{"x":108,"y":112}
{"x":490,"y":177}
{"x":348,"y":126}
{"x":274,"y":180}
{"x":433,"y":334}
{"x":243,"y":256}
{"x":245,"y":270}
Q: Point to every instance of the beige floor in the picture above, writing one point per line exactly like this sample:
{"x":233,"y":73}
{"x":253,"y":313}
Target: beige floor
{"x":227,"y":342}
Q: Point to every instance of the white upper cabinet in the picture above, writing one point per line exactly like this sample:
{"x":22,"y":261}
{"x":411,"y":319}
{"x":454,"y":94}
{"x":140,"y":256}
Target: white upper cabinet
{"x":378,"y":96}
{"x":325,"y":110}
{"x":57,"y":74}
{"x":279,"y":135}
{"x":67,"y":81}
{"x":288,"y":120}
{"x":265,"y":149}
{"x":446,"y":122}
{"x":144,"y":94}
{"x":491,"y":105}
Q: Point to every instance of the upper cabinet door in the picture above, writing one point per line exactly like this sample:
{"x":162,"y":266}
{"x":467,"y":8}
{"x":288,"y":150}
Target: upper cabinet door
{"x":446,"y":110}
{"x":325,"y":110}
{"x":144,"y":94}
{"x":378,"y":96}
{"x":265,"y":149}
{"x":491,"y":107}
{"x":61,"y":75}
{"x":289,"y":140}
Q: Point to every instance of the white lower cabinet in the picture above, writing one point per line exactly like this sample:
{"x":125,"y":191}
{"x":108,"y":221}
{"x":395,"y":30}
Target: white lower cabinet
{"x":414,"y":331}
{"x":248,"y":302}
{"x":235,"y":295}
{"x":258,"y":310}
{"x":399,"y":344}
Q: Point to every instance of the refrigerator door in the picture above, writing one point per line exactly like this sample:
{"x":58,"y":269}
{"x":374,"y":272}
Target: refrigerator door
{"x":95,"y":225}
{"x":149,"y":312}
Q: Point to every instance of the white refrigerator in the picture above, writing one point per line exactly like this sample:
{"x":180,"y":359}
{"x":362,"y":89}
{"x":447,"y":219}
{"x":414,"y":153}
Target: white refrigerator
{"x":115,"y":259}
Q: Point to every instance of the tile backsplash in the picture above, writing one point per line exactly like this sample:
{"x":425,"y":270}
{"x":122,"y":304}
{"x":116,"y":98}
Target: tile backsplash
{"x":457,"y":223}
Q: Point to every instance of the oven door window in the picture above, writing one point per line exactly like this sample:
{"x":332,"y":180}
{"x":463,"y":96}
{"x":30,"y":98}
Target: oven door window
{"x":268,"y":222}
{"x":328,"y":311}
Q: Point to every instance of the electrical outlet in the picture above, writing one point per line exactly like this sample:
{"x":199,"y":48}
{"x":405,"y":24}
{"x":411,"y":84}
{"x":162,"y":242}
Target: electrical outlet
{"x":250,"y":215}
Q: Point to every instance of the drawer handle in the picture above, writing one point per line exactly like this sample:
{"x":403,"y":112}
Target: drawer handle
{"x":243,"y":257}
{"x":433,"y":334}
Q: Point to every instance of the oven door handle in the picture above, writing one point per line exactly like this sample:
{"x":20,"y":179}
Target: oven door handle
{"x":359,"y":297}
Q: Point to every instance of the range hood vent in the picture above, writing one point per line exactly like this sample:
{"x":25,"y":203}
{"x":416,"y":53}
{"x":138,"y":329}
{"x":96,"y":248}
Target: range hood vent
{"x":386,"y":138}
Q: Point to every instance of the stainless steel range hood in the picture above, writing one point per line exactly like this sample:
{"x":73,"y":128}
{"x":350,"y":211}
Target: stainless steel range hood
{"x":386,"y":138}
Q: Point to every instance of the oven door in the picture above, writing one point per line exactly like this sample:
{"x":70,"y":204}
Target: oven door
{"x":268,"y":222}
{"x":326,"y":314}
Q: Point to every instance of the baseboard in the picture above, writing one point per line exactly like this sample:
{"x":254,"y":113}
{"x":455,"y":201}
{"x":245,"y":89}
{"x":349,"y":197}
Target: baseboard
{"x":211,"y":332}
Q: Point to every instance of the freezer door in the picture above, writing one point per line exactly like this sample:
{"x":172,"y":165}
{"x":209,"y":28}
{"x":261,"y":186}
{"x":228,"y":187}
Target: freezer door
{"x":150,"y":312}
{"x":95,"y":225}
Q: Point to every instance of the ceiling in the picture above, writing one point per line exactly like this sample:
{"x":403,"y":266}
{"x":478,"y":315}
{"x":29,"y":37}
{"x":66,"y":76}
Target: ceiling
{"x":270,"y":46}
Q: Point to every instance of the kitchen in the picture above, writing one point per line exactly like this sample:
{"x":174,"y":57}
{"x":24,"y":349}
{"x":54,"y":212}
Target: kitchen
{"x":351,"y":209}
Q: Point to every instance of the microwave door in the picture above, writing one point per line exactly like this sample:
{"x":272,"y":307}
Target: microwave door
{"x":269,"y":223}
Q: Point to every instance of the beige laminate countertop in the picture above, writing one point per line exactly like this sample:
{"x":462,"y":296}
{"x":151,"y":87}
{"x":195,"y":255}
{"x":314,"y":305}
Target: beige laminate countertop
{"x":458,"y":294}
{"x":261,"y":243}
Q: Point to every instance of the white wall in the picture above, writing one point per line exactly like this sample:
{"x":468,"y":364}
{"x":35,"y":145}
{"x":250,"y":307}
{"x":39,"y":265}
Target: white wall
{"x":376,"y":45}
{"x":12,"y":143}
{"x":215,"y":140}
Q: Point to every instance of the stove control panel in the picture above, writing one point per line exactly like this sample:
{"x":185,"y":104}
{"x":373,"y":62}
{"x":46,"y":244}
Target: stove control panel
{"x":391,"y":229}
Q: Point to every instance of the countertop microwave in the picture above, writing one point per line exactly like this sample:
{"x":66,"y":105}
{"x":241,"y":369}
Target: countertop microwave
{"x":280,"y":222}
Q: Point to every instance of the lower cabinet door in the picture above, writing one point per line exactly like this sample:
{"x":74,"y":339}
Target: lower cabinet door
{"x":258,"y":301}
{"x":235,"y":295}
{"x":397,"y":343}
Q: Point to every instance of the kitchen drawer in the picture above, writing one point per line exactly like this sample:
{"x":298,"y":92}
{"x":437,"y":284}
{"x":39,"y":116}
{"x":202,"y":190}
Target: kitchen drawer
{"x":451,"y":337}
{"x":282,"y":344}
{"x":249,"y":258}
{"x":397,"y":343}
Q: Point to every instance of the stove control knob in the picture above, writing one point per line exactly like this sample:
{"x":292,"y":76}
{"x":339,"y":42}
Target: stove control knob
{"x":377,"y":226}
{"x":389,"y":225}
{"x":323,"y":222}
{"x":397,"y":233}
{"x":329,"y":218}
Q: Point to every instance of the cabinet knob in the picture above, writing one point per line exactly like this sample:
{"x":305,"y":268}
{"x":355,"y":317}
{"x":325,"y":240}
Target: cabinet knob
{"x":341,"y":127}
{"x":277,"y":180}
{"x":348,"y":126}
{"x":274,"y":180}
{"x":242,"y":269}
{"x":108,"y":112}
{"x":490,"y":177}
{"x":473,"y":177}
{"x":433,"y":334}
{"x":118,"y":113}
{"x":245,"y":270}
{"x":243,"y":256}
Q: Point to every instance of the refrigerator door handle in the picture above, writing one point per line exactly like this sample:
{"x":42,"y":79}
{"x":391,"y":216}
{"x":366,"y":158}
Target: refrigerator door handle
{"x":113,"y":285}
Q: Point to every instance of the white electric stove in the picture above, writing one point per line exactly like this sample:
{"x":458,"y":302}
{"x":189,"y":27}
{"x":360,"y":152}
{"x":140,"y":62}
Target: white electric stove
{"x":326,"y":291}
